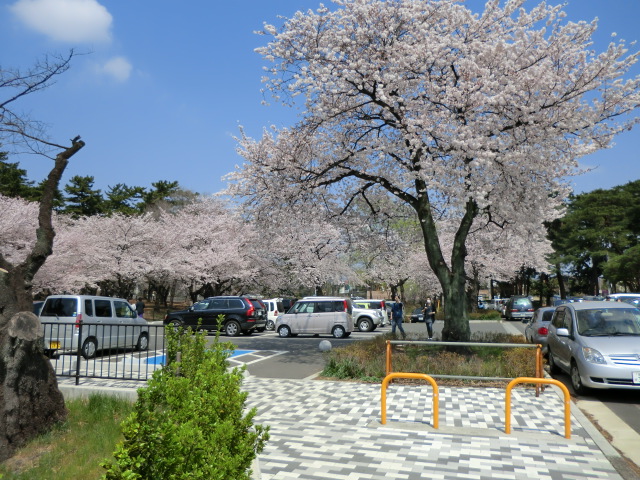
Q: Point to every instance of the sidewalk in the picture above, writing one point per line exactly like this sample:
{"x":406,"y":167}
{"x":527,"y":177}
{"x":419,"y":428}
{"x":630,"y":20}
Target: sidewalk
{"x":331,"y":430}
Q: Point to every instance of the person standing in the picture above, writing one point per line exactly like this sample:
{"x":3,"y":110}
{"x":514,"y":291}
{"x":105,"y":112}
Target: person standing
{"x":140,"y":308}
{"x":397,"y":314}
{"x":429,"y":315}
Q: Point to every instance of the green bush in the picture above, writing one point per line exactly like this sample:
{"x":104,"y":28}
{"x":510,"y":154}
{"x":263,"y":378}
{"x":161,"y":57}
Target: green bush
{"x":189,"y":422}
{"x":486,"y":315}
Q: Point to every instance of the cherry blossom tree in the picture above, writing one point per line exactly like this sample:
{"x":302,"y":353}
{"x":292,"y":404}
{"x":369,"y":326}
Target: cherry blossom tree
{"x":476,"y":117}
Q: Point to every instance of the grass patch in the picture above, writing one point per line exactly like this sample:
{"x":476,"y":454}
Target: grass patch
{"x":365,"y":360}
{"x":75,"y":448}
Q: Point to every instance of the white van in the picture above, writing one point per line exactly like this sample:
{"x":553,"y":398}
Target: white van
{"x":317,"y":315}
{"x":274,"y":308}
{"x":107,"y":323}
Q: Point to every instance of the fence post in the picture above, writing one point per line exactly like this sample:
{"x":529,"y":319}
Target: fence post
{"x":79,"y":352}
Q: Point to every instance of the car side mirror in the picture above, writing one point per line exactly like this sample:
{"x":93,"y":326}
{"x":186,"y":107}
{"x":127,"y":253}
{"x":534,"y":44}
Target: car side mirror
{"x":190,"y":308}
{"x":562,"y":332}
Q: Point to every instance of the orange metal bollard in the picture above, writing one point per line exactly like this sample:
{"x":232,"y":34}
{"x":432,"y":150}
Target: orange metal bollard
{"x":422,"y":376}
{"x":388,"y":358}
{"x":567,"y":407}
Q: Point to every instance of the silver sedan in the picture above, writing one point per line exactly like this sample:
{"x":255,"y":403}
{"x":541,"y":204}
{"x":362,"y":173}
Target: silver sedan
{"x":537,"y":328}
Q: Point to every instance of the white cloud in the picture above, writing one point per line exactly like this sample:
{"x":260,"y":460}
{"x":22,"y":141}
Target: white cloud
{"x":74,"y":21}
{"x":118,"y":68}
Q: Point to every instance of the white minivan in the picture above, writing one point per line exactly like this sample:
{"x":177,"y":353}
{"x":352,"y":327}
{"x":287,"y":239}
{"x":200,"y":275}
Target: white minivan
{"x":317,"y":316}
{"x":107,"y":323}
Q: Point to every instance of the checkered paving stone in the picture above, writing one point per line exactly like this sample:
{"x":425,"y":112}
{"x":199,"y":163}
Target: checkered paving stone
{"x":324,"y":430}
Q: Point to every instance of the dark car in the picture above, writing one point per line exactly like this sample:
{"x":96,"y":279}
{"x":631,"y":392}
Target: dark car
{"x":417,"y":316}
{"x":519,"y":308}
{"x":241,"y":315}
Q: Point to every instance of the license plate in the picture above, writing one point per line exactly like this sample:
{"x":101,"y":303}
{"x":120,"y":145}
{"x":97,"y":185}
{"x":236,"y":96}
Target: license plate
{"x":636,"y":377}
{"x":56,"y":346}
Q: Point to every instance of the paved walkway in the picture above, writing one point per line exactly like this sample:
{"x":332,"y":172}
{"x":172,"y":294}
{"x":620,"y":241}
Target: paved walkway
{"x":331,"y":430}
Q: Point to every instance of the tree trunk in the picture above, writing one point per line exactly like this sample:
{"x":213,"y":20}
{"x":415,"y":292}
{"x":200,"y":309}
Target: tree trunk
{"x":561,"y":287}
{"x":452,"y":279}
{"x":30,"y":401}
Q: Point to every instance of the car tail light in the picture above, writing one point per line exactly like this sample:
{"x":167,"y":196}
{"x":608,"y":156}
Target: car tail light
{"x":275,"y":313}
{"x":78,"y":320}
{"x":251,"y":310}
{"x":514,"y":310}
{"x":543,"y":331}
{"x":530,"y":310}
{"x":383,"y":305}
{"x":346,"y":306}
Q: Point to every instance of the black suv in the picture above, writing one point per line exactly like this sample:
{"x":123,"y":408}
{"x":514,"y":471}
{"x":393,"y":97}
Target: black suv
{"x":241,"y":314}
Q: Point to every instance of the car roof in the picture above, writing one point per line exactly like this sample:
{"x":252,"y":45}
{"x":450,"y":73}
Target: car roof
{"x":324,"y":298}
{"x":589,"y":305}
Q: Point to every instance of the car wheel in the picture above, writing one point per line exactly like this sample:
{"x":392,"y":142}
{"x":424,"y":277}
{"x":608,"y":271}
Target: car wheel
{"x":553,"y":367}
{"x":89,"y":348}
{"x":232,"y":328}
{"x":284,"y":331}
{"x":338,"y":331}
{"x":175,"y":324}
{"x":271,"y":325}
{"x":576,"y":381}
{"x":143,"y":342}
{"x":364,"y":325}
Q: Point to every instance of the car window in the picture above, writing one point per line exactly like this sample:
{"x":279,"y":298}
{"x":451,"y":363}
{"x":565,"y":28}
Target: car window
{"x":88,"y":307}
{"x":237,"y":303}
{"x":303,"y":307}
{"x":60,"y":307}
{"x":201,"y":305}
{"x":103,"y":308}
{"x":558,"y":318}
{"x":123,"y":309}
{"x":217,"y":304}
{"x":522,"y":301}
{"x":546,"y":316}
{"x":614,"y":321}
{"x":566,"y":321}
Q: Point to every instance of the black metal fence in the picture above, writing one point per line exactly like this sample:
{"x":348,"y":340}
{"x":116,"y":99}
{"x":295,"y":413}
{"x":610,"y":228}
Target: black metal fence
{"x":118,"y":351}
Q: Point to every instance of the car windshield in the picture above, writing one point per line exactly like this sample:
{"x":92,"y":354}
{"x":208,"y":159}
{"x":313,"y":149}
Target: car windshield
{"x":608,"y":321}
{"x":201,"y":305}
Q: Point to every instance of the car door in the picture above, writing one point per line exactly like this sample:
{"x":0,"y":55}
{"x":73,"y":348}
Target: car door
{"x":216,"y":307}
{"x":299,"y":321}
{"x":562,"y":345}
{"x":127,"y":333}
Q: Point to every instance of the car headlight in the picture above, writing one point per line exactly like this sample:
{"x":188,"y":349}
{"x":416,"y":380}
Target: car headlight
{"x":592,"y":355}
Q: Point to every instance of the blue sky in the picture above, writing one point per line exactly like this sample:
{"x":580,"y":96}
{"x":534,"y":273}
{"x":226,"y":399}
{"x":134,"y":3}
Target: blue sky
{"x":165,"y":85}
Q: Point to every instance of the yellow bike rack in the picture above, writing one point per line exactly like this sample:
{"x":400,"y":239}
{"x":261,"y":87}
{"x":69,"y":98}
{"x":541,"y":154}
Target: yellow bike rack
{"x":538,"y":381}
{"x":421,"y":376}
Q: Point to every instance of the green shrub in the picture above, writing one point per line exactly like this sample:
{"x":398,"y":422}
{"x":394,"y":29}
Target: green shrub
{"x":485,"y":315}
{"x":189,"y":422}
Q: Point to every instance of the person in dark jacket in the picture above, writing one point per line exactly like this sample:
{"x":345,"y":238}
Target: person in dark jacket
{"x":140,"y":308}
{"x":429,"y":315}
{"x":397,"y":314}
